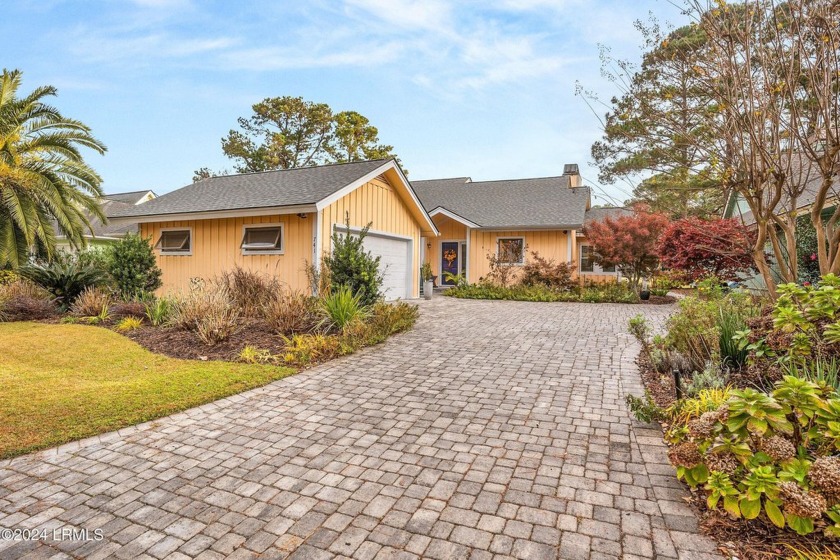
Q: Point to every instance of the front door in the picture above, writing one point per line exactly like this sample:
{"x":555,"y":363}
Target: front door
{"x":451,"y":259}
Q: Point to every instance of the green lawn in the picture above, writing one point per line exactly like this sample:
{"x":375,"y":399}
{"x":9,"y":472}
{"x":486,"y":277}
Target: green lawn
{"x":64,"y":382}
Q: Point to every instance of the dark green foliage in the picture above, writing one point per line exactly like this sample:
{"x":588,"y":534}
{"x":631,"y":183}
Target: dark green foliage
{"x":595,"y":293}
{"x":133,"y":267}
{"x":806,"y":250}
{"x":65,"y":279}
{"x":351,"y":265}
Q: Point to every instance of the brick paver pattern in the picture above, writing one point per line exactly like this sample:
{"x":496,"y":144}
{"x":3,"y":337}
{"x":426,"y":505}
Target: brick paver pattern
{"x":492,"y":430}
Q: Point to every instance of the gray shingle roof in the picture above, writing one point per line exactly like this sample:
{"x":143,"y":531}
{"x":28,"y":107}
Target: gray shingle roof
{"x":287,"y":187}
{"x":132,"y":197}
{"x":532,"y":203}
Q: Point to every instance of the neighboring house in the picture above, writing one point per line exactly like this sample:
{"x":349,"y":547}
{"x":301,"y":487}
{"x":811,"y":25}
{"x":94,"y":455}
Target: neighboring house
{"x":737,"y":207}
{"x":477,"y":219}
{"x":276,"y":222}
{"x":103,"y":233}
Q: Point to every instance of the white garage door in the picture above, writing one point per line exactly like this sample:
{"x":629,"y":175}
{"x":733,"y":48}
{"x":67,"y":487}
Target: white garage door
{"x":394,"y":262}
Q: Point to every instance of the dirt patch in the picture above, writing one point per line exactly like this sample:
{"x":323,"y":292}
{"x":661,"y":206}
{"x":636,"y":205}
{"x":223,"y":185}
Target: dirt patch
{"x":660,"y":386}
{"x":186,"y":345}
{"x":659,"y":300}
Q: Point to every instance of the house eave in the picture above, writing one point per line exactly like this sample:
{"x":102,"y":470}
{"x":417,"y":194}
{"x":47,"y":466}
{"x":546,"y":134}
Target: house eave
{"x":214,"y":214}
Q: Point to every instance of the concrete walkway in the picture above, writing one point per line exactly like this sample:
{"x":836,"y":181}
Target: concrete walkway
{"x":491,"y":430}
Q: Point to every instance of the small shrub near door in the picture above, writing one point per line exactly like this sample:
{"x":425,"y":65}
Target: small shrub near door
{"x":546,"y":272}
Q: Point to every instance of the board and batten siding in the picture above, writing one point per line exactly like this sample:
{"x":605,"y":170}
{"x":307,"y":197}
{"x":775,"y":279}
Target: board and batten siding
{"x":450,"y":230}
{"x":550,"y":244}
{"x":216,"y":249}
{"x":378,"y":204}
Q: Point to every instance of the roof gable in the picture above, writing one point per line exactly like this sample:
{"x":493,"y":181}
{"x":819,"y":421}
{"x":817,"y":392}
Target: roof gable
{"x":301,"y":186}
{"x":545,"y":202}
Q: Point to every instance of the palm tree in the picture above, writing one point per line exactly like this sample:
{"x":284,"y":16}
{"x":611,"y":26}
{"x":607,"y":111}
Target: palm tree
{"x":44,"y":180}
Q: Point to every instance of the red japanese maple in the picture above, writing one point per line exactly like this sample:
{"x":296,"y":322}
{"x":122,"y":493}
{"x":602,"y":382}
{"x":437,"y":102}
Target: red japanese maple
{"x":700,"y":248}
{"x":628,"y":242}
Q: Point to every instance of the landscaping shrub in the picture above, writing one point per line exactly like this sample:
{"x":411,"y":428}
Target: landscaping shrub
{"x":8,"y":277}
{"x":391,"y":318}
{"x":250,"y":291}
{"x":819,"y":370}
{"x":208,"y":310}
{"x":158,"y":311}
{"x":303,"y":349}
{"x":342,"y":308}
{"x":546,"y":272}
{"x":65,"y":279}
{"x":292,"y":312}
{"x":253,"y":355}
{"x":23,"y":300}
{"x":127,"y":324}
{"x":593,"y":293}
{"x":768,"y":455}
{"x":133,"y":267}
{"x":349,"y":264}
{"x":92,"y":302}
{"x":693,"y":331}
{"x":640,"y":329}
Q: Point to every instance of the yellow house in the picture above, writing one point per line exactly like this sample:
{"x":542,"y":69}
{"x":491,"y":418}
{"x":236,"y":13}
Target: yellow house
{"x":276,"y":222}
{"x":477,"y":219}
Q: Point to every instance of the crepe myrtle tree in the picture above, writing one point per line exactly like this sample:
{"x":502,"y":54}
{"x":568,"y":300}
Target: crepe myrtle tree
{"x":628,"y":242}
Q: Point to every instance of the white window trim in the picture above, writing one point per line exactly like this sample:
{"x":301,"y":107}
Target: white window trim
{"x":596,"y":268}
{"x":166,"y":253}
{"x":280,"y":251}
{"x":524,"y":248}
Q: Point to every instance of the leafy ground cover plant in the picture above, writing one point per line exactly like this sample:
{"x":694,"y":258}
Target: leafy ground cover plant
{"x":64,"y":279}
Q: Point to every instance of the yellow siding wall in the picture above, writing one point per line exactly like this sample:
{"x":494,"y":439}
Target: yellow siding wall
{"x":550,"y":244}
{"x":216,"y":249}
{"x":450,"y":230}
{"x":377,"y":203}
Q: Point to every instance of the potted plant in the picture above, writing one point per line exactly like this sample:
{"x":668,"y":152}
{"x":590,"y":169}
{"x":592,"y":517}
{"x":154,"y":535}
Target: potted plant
{"x":428,"y":280}
{"x":644,"y":294}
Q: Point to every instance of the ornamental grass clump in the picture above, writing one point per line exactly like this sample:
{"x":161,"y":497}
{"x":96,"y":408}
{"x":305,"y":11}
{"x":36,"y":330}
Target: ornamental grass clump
{"x":207,"y":310}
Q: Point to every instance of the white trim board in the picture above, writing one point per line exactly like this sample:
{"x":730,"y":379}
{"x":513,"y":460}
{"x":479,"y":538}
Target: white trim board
{"x":453,"y":216}
{"x":241,"y":213}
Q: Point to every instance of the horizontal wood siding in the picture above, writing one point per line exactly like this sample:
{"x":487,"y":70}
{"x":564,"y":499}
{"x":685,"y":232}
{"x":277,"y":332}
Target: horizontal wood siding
{"x":378,"y":204}
{"x":550,"y":244}
{"x":216,"y":249}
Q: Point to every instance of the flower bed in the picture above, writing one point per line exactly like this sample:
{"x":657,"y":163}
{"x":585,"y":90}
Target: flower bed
{"x":756,"y":435}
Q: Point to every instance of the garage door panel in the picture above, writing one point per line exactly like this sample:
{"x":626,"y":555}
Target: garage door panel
{"x":394,"y":263}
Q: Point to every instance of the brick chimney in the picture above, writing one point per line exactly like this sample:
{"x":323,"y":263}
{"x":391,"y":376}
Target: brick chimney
{"x":571,"y":171}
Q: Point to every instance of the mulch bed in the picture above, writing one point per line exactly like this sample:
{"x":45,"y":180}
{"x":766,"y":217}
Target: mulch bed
{"x":659,"y":300}
{"x":186,"y":345}
{"x":753,"y":540}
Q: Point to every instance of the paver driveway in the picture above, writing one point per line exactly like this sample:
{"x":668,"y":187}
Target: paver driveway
{"x":492,"y":430}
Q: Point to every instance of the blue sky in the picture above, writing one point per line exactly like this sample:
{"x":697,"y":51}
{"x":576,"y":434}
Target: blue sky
{"x":469,"y":87}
